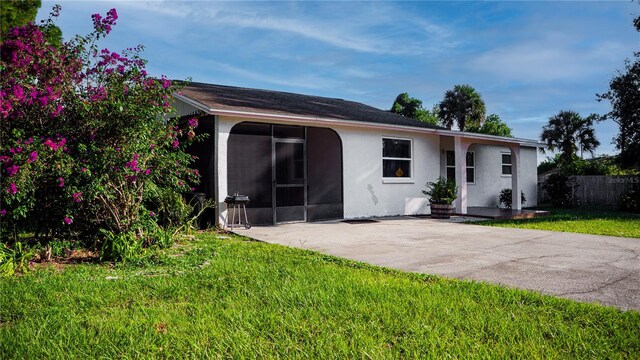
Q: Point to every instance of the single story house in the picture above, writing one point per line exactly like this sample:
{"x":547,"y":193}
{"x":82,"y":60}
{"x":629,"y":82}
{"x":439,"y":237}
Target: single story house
{"x":310,"y":158}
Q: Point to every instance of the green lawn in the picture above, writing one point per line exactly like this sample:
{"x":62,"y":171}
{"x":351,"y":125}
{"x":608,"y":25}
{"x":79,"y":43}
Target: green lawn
{"x":229,"y":298}
{"x":582,"y":220}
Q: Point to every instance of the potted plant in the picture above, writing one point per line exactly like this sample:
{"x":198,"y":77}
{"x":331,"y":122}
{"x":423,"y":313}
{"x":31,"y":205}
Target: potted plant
{"x":441,"y":194}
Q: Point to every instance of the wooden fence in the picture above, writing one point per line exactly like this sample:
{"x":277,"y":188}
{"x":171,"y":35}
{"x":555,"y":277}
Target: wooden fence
{"x":595,"y":189}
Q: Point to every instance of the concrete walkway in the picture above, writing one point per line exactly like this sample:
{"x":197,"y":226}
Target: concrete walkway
{"x":582,"y":267}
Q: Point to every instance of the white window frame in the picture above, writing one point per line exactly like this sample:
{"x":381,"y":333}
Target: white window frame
{"x":397,"y":180}
{"x":447,"y":166}
{"x":505,"y":164}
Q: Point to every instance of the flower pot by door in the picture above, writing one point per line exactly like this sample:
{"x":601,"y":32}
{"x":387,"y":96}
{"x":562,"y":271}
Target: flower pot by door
{"x":441,"y":211}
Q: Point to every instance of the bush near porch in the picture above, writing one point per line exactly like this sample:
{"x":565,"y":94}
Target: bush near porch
{"x":580,"y":220}
{"x":89,"y":151}
{"x":230,"y":298}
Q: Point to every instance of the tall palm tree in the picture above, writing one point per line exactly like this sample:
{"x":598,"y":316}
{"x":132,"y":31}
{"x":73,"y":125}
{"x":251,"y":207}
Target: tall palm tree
{"x":462,"y":106}
{"x":567,"y":132}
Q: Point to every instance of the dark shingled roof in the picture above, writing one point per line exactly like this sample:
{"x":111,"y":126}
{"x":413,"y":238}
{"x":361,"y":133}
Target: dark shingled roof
{"x":284,"y":103}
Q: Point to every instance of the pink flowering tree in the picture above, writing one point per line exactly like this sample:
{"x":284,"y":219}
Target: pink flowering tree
{"x":83,"y":132}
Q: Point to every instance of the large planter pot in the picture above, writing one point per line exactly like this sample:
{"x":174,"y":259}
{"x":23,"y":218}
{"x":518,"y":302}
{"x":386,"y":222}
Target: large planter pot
{"x":441,"y":211}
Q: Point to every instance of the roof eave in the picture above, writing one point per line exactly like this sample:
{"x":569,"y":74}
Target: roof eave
{"x":315,"y":120}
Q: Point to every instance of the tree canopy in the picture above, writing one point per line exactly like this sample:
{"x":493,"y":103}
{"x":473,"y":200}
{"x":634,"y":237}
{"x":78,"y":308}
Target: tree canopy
{"x":15,"y":13}
{"x":493,"y":125}
{"x":568,"y":132}
{"x":410,"y":107}
{"x":463,"y":106}
{"x":624,"y":96}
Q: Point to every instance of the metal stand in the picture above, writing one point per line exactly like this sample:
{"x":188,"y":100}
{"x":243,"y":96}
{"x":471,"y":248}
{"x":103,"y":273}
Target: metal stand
{"x":234,"y":204}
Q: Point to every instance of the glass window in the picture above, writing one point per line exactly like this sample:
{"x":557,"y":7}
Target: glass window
{"x":396,"y":158}
{"x":506,"y":164}
{"x":471,"y":167}
{"x":451,"y":166}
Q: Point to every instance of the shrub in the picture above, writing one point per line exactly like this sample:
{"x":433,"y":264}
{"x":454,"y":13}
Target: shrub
{"x":630,"y":201}
{"x":505,"y":198}
{"x":82,"y":137}
{"x":125,"y":246}
{"x":549,"y":164}
{"x":442,"y":191}
{"x":14,"y":258}
{"x":168,"y":207}
{"x":561,"y":190}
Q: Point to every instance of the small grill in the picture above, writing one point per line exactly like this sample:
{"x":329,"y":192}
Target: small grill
{"x":236,"y":203}
{"x":237,"y":199}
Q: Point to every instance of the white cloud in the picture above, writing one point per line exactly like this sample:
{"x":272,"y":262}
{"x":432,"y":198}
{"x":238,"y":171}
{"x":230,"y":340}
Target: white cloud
{"x":306,"y":81}
{"x":553,"y":58}
{"x":356,"y":29}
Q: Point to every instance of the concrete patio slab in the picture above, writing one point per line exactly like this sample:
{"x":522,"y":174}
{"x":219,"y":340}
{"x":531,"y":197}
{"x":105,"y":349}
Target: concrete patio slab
{"x":582,"y":267}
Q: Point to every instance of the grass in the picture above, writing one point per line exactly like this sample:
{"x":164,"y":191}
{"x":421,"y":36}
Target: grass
{"x":231,"y":298}
{"x":581,"y":220}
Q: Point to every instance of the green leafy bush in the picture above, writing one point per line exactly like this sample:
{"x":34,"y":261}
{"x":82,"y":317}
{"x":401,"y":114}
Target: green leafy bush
{"x":84,"y":132}
{"x":14,"y":258}
{"x":630,"y":201}
{"x":168,"y":207}
{"x":123,"y":247}
{"x":505,"y":198}
{"x":442,"y":191}
{"x":561,"y":190}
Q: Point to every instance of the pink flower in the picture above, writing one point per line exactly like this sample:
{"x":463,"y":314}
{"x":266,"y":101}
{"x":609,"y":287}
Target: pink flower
{"x":176,"y":143}
{"x":84,"y":169}
{"x":18,"y":92}
{"x":60,"y":182}
{"x":67,"y":220}
{"x":147,"y":172}
{"x":51,"y":144}
{"x":12,"y":189}
{"x":32,"y":157}
{"x":43,"y":100}
{"x":151,"y":213}
{"x":12,"y":170}
{"x":193,"y":122}
{"x":3,"y":212}
{"x":77,"y":197}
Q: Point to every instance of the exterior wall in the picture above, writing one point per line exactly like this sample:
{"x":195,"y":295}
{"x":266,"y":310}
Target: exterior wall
{"x":366,"y":193}
{"x":489,"y":180}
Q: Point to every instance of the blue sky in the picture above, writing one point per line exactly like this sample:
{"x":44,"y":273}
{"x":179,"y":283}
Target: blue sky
{"x":529,"y":60}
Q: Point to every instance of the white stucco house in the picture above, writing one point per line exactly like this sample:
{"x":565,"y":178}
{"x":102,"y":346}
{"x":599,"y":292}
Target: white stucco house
{"x":309,"y":158}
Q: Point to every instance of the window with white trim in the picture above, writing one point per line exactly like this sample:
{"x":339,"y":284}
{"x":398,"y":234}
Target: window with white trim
{"x":396,"y":158}
{"x":506,"y":164}
{"x":471,"y":167}
{"x":450,"y":164}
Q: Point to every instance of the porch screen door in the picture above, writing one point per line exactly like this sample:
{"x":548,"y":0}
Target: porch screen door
{"x":289,"y":180}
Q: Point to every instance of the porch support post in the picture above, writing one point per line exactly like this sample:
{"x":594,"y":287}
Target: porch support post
{"x":460,"y":147}
{"x":222,"y":137}
{"x":516,"y":187}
